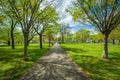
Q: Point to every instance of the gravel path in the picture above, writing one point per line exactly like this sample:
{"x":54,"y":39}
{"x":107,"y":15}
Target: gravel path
{"x":55,"y":65}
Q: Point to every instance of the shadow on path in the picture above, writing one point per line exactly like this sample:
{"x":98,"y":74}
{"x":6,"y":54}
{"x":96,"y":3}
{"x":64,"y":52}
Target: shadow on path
{"x":55,"y":65}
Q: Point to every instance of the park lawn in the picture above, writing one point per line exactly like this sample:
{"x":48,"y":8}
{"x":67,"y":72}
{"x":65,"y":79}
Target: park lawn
{"x":12,"y":65}
{"x":88,"y":57}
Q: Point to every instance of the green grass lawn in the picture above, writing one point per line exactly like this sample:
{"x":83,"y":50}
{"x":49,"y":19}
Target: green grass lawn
{"x":12,"y":65}
{"x":88,"y":57}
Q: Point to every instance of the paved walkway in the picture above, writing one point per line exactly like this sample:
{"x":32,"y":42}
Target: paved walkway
{"x":55,"y":65}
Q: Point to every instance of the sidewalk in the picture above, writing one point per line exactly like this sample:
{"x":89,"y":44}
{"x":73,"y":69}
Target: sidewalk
{"x":55,"y":65}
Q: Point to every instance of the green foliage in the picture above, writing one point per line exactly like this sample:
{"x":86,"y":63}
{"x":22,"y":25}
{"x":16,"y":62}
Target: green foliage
{"x":82,"y":35}
{"x":103,"y":14}
{"x":5,"y":34}
{"x":97,"y":37}
{"x":64,"y":31}
{"x":18,"y":36}
{"x":77,"y":14}
{"x":115,"y":34}
{"x":12,"y":65}
{"x":1,"y":19}
{"x":87,"y":56}
{"x":47,"y":22}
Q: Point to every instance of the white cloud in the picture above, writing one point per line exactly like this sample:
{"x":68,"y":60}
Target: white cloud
{"x":68,"y":20}
{"x":66,"y":4}
{"x":72,"y":31}
{"x":66,"y":17}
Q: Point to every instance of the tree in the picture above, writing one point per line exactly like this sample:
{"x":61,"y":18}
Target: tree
{"x":103,"y":14}
{"x":82,"y":35}
{"x":5,"y":34}
{"x":13,"y":24}
{"x":10,"y":18}
{"x":50,"y":34}
{"x":32,"y":33}
{"x":68,"y":37}
{"x":2,"y":18}
{"x":18,"y":36}
{"x":26,"y":13}
{"x":96,"y":37}
{"x":49,"y":18}
{"x":63,"y":29}
{"x":115,"y":35}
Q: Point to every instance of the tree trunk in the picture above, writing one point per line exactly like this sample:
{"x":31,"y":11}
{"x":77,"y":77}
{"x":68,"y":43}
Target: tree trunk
{"x":12,"y":34}
{"x":62,"y":38}
{"x":113,"y":41}
{"x":28,"y":43}
{"x":49,"y":41}
{"x":105,"y":51}
{"x":12,"y":39}
{"x":40,"y":38}
{"x":25,"y":46}
{"x":8,"y":42}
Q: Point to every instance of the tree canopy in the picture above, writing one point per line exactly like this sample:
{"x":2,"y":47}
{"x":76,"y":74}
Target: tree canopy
{"x":104,"y":15}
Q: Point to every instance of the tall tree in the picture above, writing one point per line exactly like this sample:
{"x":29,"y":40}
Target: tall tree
{"x":26,"y":13}
{"x":103,"y":14}
{"x":9,"y":17}
{"x":13,"y":24}
{"x":49,"y":18}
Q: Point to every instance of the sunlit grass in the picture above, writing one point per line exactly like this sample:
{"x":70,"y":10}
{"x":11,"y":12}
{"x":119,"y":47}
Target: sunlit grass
{"x":88,"y":57}
{"x":12,"y":65}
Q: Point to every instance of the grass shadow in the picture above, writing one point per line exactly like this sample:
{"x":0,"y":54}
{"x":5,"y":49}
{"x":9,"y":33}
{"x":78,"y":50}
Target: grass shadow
{"x":99,"y":69}
{"x":76,"y":50}
{"x":12,"y":65}
{"x":88,"y":58}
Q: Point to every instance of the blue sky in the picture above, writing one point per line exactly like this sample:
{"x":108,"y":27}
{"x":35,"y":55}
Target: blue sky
{"x":67,"y":18}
